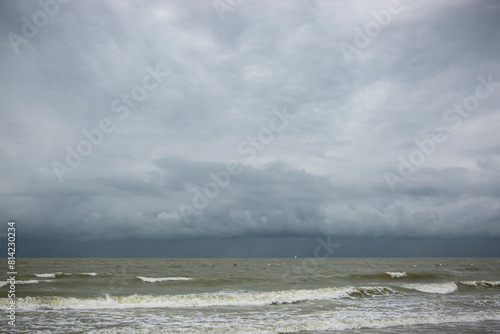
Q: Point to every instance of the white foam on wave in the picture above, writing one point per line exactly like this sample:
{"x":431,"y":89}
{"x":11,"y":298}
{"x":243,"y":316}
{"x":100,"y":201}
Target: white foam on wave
{"x":358,"y":322}
{"x":374,"y":290}
{"x":190,"y":300}
{"x":163,"y":279}
{"x":52,"y":275}
{"x":283,"y":323}
{"x":441,"y":288}
{"x":481,"y":283}
{"x":90,"y":274}
{"x":396,"y":274}
{"x":31,"y":281}
{"x":45,"y":275}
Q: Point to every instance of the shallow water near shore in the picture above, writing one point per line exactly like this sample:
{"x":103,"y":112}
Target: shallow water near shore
{"x":327,"y":295}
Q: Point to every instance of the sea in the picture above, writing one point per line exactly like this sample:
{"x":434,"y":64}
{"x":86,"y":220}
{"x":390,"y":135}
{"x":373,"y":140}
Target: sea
{"x":293,"y":295}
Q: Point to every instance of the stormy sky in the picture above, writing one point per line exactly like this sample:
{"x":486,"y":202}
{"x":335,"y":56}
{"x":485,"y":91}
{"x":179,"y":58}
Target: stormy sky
{"x":250,"y":128}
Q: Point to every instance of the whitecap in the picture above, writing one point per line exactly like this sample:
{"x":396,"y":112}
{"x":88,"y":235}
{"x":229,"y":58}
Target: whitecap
{"x":52,"y":275}
{"x":46,"y":275}
{"x":441,"y":288}
{"x":162,"y":279}
{"x":481,"y":283}
{"x":189,"y":300}
{"x":34,"y":281}
{"x":396,"y":274}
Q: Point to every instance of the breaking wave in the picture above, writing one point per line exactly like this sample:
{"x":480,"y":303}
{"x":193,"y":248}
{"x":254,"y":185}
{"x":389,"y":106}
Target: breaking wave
{"x":198,"y":300}
{"x":320,"y":325}
{"x":396,"y":274}
{"x":483,"y":284}
{"x":31,"y":281}
{"x":441,"y":288}
{"x":52,"y":275}
{"x":163,"y":279}
{"x":399,"y":274}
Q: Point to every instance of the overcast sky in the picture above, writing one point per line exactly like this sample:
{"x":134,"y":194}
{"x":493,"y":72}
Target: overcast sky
{"x":174,"y":121}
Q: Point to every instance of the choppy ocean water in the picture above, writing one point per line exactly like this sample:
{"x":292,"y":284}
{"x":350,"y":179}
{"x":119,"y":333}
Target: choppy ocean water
{"x":328,"y":295}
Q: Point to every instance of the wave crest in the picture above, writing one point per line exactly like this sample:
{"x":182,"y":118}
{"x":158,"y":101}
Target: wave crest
{"x":163,"y":279}
{"x":197,"y":300}
{"x":483,"y":284}
{"x":396,"y":274}
{"x":52,"y":275}
{"x":441,"y":288}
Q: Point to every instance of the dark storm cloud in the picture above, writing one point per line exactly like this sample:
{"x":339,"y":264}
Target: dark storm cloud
{"x":171,"y":94}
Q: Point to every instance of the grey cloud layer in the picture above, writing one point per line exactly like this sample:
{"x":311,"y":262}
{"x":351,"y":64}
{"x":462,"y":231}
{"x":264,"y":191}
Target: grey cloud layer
{"x":324,"y":173}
